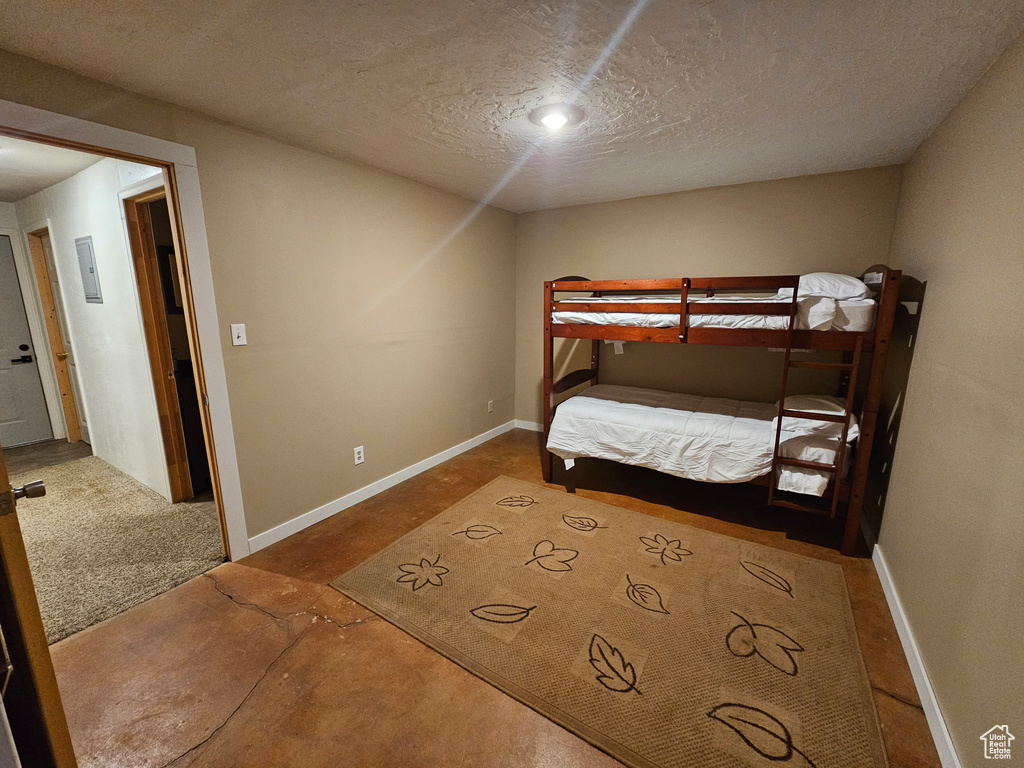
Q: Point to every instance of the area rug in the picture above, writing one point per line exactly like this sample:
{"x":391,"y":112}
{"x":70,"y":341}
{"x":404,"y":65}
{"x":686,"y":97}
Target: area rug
{"x":100,"y":542}
{"x":661,"y":644}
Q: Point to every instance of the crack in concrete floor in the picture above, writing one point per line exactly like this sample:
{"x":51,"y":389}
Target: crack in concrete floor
{"x":295,"y":614}
{"x":316,"y":617}
{"x":245,"y":698}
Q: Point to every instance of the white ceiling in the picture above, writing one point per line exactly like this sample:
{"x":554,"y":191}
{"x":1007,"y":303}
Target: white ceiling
{"x":27,"y":167}
{"x":698,"y":93}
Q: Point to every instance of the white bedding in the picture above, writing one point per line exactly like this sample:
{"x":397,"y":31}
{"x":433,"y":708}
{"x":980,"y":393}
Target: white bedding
{"x":701,"y":438}
{"x":815,"y":313}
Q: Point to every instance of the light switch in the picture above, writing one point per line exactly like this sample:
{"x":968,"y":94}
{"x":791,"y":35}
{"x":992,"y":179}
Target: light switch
{"x":238,"y":334}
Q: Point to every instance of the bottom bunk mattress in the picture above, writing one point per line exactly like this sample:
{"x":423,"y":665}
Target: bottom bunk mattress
{"x":711,"y":439}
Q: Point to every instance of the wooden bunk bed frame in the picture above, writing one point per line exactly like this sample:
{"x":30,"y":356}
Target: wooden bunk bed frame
{"x":854,"y":345}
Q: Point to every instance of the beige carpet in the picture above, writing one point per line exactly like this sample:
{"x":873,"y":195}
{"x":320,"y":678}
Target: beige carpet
{"x":661,"y":644}
{"x":100,"y":542}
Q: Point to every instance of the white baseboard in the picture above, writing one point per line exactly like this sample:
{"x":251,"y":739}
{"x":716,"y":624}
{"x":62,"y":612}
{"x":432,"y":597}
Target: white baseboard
{"x":533,"y":426}
{"x":297,"y":524}
{"x":940,"y":734}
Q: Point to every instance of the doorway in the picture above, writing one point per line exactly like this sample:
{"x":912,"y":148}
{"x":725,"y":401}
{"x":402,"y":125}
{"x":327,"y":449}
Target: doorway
{"x":155,"y":256}
{"x":105,"y":300}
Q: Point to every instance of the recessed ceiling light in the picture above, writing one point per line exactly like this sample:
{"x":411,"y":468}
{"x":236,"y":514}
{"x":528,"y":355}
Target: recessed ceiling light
{"x":555,"y":120}
{"x":556,"y":116}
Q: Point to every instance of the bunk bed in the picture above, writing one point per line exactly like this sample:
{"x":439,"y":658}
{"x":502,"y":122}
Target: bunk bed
{"x":796,"y":446}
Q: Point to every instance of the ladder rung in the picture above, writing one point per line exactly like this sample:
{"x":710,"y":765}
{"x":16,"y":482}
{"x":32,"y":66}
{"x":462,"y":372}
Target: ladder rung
{"x":812,"y":364}
{"x":838,"y":418}
{"x":801,"y":507}
{"x":805,"y":464}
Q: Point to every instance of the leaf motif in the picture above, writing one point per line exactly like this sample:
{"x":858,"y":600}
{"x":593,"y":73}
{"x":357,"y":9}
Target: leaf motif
{"x":477,"y":532}
{"x":584,"y":524}
{"x":760,"y":731}
{"x":502,"y":613}
{"x":517,"y":501}
{"x":771,"y":644}
{"x":423,"y":574}
{"x":550,"y":558}
{"x":769,"y":577}
{"x":614,"y":672}
{"x":646,"y":596}
{"x":659,"y":545}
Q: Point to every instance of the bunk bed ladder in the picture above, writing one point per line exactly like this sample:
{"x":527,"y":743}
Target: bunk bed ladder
{"x":787,"y":364}
{"x":848,"y":369}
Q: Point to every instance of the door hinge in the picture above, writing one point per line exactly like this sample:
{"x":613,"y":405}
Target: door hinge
{"x":6,"y":503}
{"x":206,"y":399}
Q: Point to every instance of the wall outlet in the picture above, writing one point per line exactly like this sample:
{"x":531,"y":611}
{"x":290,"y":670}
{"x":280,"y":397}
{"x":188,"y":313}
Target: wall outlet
{"x":238,"y":334}
{"x":490,"y":406}
{"x":358,"y":454}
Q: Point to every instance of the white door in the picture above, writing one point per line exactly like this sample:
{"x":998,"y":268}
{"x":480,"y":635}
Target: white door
{"x":8,"y":752}
{"x":58,"y":305}
{"x":23,"y":415}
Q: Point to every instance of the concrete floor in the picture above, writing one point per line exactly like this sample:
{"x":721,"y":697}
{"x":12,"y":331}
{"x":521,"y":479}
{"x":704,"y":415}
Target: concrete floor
{"x":259,"y":663}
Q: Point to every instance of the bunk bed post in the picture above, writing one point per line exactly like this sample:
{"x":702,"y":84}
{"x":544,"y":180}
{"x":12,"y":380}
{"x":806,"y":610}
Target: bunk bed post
{"x":549,"y":396}
{"x":887,"y":302}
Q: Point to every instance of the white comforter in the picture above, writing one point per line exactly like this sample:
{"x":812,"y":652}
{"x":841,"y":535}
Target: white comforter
{"x":701,"y":438}
{"x":815,"y":313}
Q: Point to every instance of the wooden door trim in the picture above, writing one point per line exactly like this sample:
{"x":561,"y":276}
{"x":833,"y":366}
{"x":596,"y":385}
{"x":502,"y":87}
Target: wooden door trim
{"x":158,"y":344}
{"x":192,"y":329}
{"x":37,"y":721}
{"x":57,"y":352}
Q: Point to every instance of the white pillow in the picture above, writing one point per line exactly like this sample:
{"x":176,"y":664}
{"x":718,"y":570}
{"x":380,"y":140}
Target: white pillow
{"x":839,"y":287}
{"x":817,"y":404}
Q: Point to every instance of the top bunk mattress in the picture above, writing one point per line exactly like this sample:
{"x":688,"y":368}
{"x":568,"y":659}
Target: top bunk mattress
{"x":814,"y":313}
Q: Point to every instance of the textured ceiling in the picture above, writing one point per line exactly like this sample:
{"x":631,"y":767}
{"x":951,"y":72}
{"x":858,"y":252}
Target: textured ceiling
{"x":696,"y":94}
{"x":27,"y":167}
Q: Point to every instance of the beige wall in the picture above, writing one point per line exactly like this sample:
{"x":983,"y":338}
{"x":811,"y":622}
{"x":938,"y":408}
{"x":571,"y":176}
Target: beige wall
{"x":361,"y":330}
{"x":839,"y":222}
{"x":953,"y":531}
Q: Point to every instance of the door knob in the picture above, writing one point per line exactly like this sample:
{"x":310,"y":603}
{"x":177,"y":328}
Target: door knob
{"x":32,"y":490}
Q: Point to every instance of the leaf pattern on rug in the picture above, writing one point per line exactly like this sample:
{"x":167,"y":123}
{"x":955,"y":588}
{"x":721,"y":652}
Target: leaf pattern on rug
{"x":425,"y":573}
{"x":478,"y":532}
{"x":646,"y":596}
{"x":585,"y":524}
{"x":613,"y":671}
{"x":521,"y":500}
{"x":671,"y":549}
{"x":761,"y":732}
{"x":551,"y":558}
{"x":502,"y":613}
{"x":769,"y":577}
{"x":771,"y":644}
